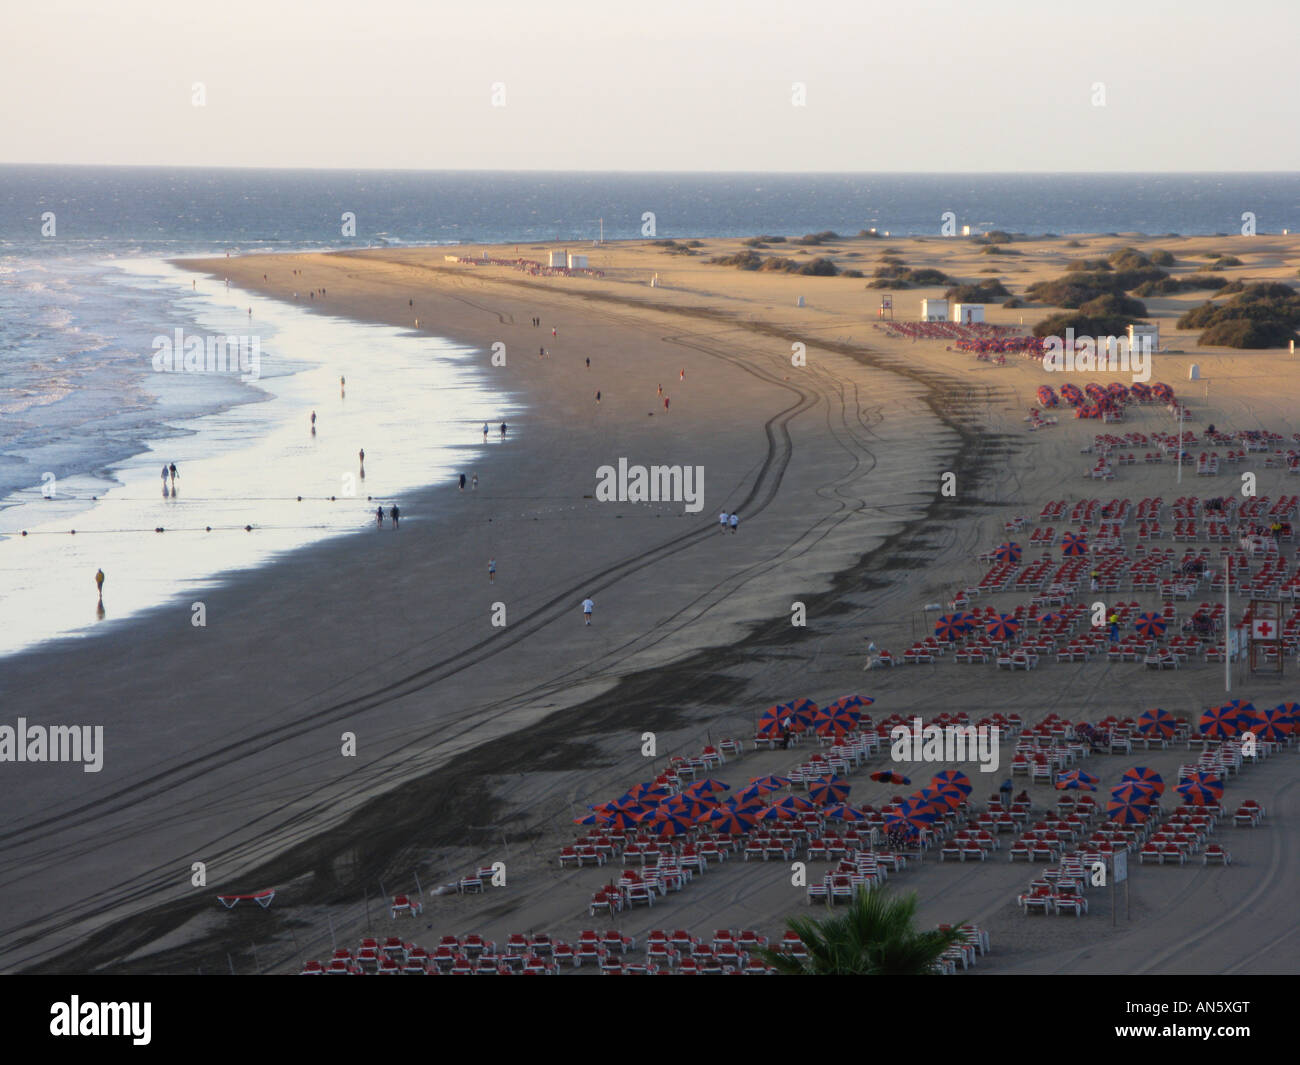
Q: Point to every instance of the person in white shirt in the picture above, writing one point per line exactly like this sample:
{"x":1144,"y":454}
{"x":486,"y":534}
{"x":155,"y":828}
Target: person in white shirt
{"x":735,"y":522}
{"x":587,"y":607}
{"x":722,"y":521}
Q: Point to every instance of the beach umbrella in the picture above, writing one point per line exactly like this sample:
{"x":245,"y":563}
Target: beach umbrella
{"x":734,"y":822}
{"x":949,"y":627}
{"x":844,"y":812}
{"x":839,"y":721}
{"x":901,"y":817}
{"x":1210,"y":781}
{"x":826,"y":790}
{"x":666,"y":827}
{"x":770,"y":723}
{"x":1157,"y":722}
{"x":1007,"y":552}
{"x":1241,"y":706}
{"x":1074,"y":544}
{"x":648,"y":793}
{"x":898,"y":778}
{"x":1272,"y":726}
{"x":746,"y":796}
{"x":795,"y":804}
{"x":1076,"y":780}
{"x":685,"y":806}
{"x":1290,"y":712}
{"x":1194,"y":793}
{"x":954,"y":777}
{"x":590,"y":819}
{"x":803,"y":711}
{"x":704,"y":788}
{"x":770,"y":783}
{"x":775,"y":813}
{"x":1127,"y":812}
{"x":1221,"y":722}
{"x":850,"y":702}
{"x":1002,"y":627}
{"x":882,"y":776}
{"x":1142,"y":775}
{"x":1134,"y":791}
{"x":1151,"y":625}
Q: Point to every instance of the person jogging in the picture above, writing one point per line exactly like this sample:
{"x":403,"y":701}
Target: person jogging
{"x":587,"y":607}
{"x":734,"y":521}
{"x":99,"y":583}
{"x":394,"y":515}
{"x":492,"y":570}
{"x":722,"y":520}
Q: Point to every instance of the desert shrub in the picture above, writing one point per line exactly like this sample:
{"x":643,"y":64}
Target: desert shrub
{"x":884,"y":282}
{"x":868,"y":233}
{"x":1082,"y":324}
{"x":1260,"y":315}
{"x":745,"y":260}
{"x":926,"y":276}
{"x":754,"y":242}
{"x":820,"y":267}
{"x":990,"y":291}
{"x":777,"y":262}
{"x":1074,"y":266}
{"x":1161,"y":257}
{"x":824,"y":237}
{"x":1171,"y":286}
{"x":1013,"y":303}
{"x":1073,"y":244}
{"x":1114,"y":305}
{"x":853,"y":273}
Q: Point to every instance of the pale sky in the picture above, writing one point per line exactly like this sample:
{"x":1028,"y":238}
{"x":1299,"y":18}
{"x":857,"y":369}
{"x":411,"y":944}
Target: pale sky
{"x":910,"y":85}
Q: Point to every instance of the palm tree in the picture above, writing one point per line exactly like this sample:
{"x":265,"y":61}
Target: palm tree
{"x":873,"y":937}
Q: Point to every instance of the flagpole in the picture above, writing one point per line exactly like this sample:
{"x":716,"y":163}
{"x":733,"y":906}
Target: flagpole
{"x":1227,"y":621}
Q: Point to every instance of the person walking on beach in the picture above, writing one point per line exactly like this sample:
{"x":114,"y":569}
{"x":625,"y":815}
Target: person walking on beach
{"x":485,"y":431}
{"x":379,"y":517}
{"x":172,"y":470}
{"x":99,"y":583}
{"x":588,"y":364}
{"x":394,"y":515}
{"x":503,"y":430}
{"x":734,"y":521}
{"x":722,"y":520}
{"x":462,"y":482}
{"x":492,"y":570}
{"x":552,"y":331}
{"x":1114,"y":628}
{"x":597,"y":395}
{"x":1006,"y":790}
{"x":661,"y":390}
{"x":313,"y":419}
{"x":474,"y":483}
{"x":665,"y":402}
{"x":683,"y":376}
{"x":587,"y":607}
{"x":1095,"y":580}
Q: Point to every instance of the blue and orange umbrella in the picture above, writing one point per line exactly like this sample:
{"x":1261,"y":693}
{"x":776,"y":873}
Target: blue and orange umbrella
{"x":796,"y":804}
{"x":1127,"y":811}
{"x":733,"y":821}
{"x":1134,"y":791}
{"x":685,"y":806}
{"x":1142,"y":775}
{"x":1211,"y":781}
{"x":911,"y":819}
{"x":771,"y":723}
{"x":844,"y":812}
{"x":1151,"y":625}
{"x":884,"y":776}
{"x":1195,"y":793}
{"x":946,"y":795}
{"x":1157,"y":722}
{"x":837,"y":722}
{"x":804,"y":712}
{"x":770,"y":783}
{"x":850,"y":702}
{"x":1002,"y":627}
{"x":1290,"y":712}
{"x":776,"y":813}
{"x":1221,"y":722}
{"x":619,"y":820}
{"x":955,"y":778}
{"x":949,"y":627}
{"x":667,"y":826}
{"x":1272,"y":726}
{"x":1074,"y":544}
{"x":1007,"y":552}
{"x":1076,"y":780}
{"x":705,"y":788}
{"x":827,"y":790}
{"x":648,"y":793}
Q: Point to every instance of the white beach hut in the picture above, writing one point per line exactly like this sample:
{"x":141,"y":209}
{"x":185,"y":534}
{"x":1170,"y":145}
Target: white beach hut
{"x":934,"y":310}
{"x":577,"y":262}
{"x":968,"y":313}
{"x":559,"y":258}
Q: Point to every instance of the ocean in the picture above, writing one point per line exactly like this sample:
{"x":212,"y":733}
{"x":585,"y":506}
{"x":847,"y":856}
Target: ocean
{"x":86,"y":421}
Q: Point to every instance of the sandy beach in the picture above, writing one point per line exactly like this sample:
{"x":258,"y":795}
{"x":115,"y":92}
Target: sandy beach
{"x":479,"y":742}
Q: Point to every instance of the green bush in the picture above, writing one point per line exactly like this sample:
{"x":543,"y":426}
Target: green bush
{"x":1083,"y":325}
{"x":1261,"y":315}
{"x":884,"y":282}
{"x":1115,"y":305}
{"x":746,"y":260}
{"x":1013,"y":303}
{"x":990,"y":291}
{"x":1075,"y":266}
{"x":1073,"y":244}
{"x":1162,"y":258}
{"x":926,"y":276}
{"x":821,"y":267}
{"x":1171,"y":286}
{"x":826,"y":236}
{"x":853,"y":273}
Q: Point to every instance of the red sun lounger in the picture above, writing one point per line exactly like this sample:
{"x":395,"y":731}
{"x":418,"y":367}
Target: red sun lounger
{"x":262,"y":898}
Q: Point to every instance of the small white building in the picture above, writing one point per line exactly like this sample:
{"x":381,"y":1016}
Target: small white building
{"x":559,"y":258}
{"x":934,"y":310}
{"x":577,"y":262}
{"x":968,"y":313}
{"x":1142,"y":337}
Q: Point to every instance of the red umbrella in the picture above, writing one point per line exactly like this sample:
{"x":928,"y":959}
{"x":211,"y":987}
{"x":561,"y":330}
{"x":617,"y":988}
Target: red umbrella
{"x":1074,"y":544}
